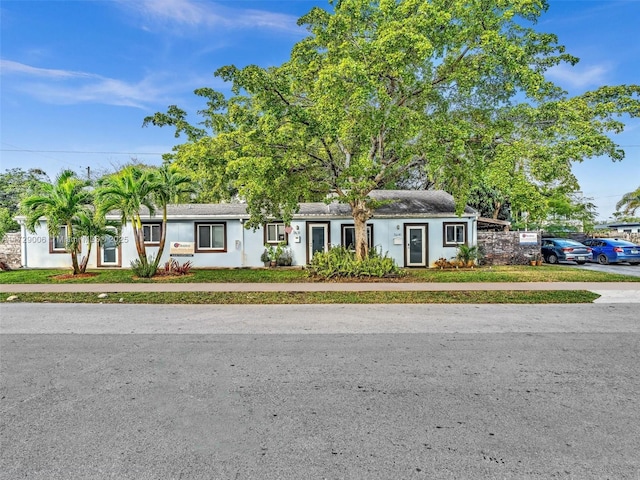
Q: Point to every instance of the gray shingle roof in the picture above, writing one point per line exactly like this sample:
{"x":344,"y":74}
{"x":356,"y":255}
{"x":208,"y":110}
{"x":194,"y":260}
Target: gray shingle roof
{"x":404,"y":203}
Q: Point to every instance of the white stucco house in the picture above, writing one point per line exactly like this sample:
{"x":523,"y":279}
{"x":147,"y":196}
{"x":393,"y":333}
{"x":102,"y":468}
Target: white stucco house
{"x":624,"y":227}
{"x":415,"y":228}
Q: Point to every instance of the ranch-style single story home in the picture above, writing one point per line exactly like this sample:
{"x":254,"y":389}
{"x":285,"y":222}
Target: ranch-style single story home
{"x":415,"y":228}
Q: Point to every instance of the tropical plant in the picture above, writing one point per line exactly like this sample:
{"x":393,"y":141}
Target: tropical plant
{"x":127,"y":191}
{"x":65,"y":203}
{"x":629,"y":203}
{"x":170,"y":185}
{"x":274,"y":251}
{"x":173,"y":267}
{"x":340,"y":262}
{"x":467,"y":255}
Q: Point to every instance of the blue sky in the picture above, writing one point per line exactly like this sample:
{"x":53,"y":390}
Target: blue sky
{"x":78,"y":77}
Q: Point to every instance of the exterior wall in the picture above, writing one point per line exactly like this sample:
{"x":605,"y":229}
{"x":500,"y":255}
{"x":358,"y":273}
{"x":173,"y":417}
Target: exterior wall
{"x":245,"y":246}
{"x":504,"y":248}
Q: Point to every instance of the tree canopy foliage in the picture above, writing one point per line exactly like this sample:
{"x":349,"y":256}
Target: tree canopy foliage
{"x":629,"y":203}
{"x":15,"y":184}
{"x":380,"y":89}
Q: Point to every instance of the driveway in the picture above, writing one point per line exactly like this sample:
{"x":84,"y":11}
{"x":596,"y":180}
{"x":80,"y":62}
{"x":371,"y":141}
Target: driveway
{"x":622,"y":269}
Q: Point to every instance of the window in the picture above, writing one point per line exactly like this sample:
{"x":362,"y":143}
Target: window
{"x":455,"y":234}
{"x":275,"y":233}
{"x":58,"y":244}
{"x":151,"y":233}
{"x":211,"y":237}
{"x":349,"y":236}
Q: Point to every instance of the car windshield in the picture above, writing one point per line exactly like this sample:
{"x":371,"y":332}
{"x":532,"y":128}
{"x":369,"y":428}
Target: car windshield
{"x":570,"y":243}
{"x":621,"y":243}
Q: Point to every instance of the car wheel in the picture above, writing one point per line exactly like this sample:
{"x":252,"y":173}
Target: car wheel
{"x":602,"y":259}
{"x":552,"y":258}
{"x":581,"y":263}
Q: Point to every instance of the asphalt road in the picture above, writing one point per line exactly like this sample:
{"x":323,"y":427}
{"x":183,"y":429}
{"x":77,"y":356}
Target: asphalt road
{"x":320,"y":392}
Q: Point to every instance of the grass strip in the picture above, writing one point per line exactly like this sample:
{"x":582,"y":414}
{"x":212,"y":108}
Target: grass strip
{"x":544,"y":273}
{"x":297,"y":298}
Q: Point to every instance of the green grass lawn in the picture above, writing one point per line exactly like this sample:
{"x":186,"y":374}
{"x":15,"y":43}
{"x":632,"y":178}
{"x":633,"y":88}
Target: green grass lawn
{"x":292,"y":298}
{"x":544,"y":273}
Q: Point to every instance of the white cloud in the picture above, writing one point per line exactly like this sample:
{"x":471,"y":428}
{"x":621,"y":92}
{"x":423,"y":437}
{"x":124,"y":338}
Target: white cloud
{"x":70,"y":87}
{"x":577,"y":77}
{"x":194,"y":13}
{"x":10,"y":67}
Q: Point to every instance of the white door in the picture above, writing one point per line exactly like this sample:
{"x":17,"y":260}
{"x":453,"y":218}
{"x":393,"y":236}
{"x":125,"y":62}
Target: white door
{"x":109,"y":251}
{"x":416,"y":245}
{"x":318,"y":238}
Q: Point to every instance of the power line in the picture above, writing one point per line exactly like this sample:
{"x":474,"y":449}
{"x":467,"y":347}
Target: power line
{"x":24,"y":150}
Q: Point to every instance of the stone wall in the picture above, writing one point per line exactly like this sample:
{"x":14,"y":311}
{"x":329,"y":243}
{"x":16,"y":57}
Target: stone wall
{"x":504,"y":248}
{"x":10,"y":250}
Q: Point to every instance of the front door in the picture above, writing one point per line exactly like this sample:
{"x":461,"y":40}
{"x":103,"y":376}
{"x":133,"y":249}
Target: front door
{"x":109,"y":251}
{"x":416,"y":245}
{"x":318,"y":239}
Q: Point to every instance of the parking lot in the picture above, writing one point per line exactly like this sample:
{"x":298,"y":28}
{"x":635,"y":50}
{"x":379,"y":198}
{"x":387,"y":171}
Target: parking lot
{"x":622,"y":268}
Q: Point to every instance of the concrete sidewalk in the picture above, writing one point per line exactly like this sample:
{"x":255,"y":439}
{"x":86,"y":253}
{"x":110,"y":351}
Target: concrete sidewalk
{"x":611,"y":292}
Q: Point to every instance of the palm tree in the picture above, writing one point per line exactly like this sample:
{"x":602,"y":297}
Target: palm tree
{"x":128,"y":191}
{"x":171,"y":185}
{"x":95,"y":228}
{"x":62,"y":204}
{"x":630,"y":202}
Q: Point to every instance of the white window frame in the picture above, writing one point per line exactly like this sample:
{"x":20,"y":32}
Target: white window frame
{"x":211,"y":225}
{"x":281,"y":234}
{"x":456,"y":227}
{"x":150,"y":227}
{"x":55,"y":241}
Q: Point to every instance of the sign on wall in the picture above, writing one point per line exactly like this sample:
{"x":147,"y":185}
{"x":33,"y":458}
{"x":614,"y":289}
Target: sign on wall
{"x":528,"y":238}
{"x":181,"y":249}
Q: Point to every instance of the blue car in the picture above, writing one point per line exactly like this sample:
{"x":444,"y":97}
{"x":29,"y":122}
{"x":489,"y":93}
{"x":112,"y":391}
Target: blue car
{"x":613,"y":250}
{"x":556,"y":250}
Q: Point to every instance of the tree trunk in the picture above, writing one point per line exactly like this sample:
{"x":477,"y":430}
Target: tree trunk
{"x":163,"y":237}
{"x":85,"y":260}
{"x":74,"y":262}
{"x":71,"y":244}
{"x":360,"y":216}
{"x":139,"y":238}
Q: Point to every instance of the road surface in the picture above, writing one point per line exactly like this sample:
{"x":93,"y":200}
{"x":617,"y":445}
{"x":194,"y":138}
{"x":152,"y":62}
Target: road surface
{"x":319,"y":392}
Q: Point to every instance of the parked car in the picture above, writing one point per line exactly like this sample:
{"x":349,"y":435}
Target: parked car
{"x":613,"y":250}
{"x":556,"y":250}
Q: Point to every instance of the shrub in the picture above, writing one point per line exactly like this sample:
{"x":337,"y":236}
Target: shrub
{"x":173,"y":267}
{"x":286,"y":258}
{"x":143,"y":271}
{"x":339,"y":262}
{"x":467,"y":255}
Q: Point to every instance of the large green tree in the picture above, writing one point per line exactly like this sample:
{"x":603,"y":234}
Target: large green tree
{"x":15,"y":184}
{"x":379,"y":88}
{"x":66,"y":202}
